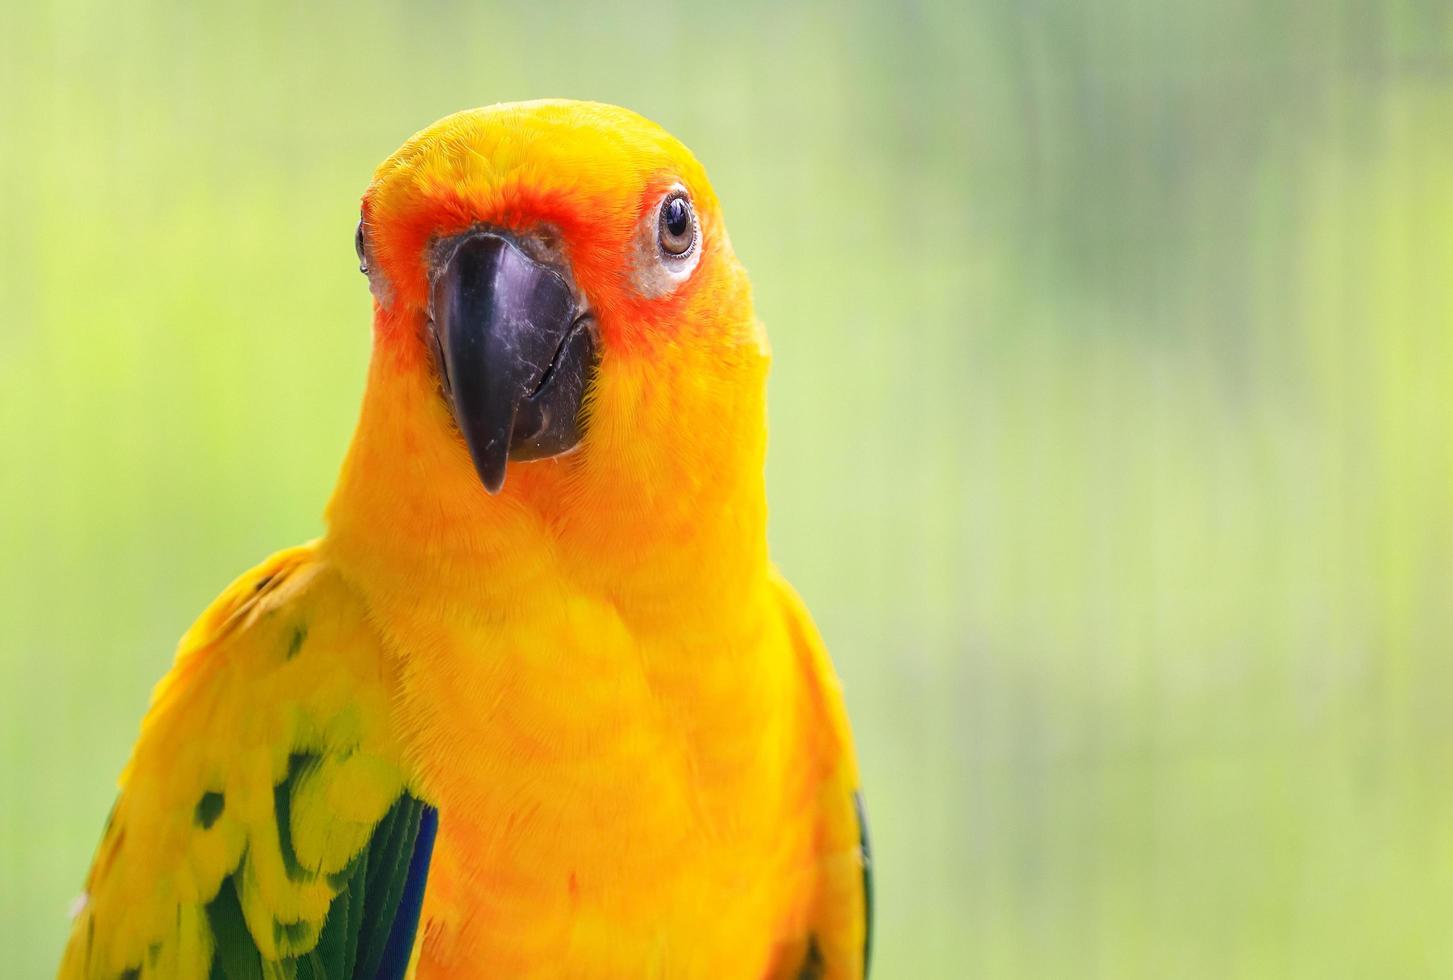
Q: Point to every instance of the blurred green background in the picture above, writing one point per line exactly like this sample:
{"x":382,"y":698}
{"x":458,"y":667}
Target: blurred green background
{"x":1110,"y":444}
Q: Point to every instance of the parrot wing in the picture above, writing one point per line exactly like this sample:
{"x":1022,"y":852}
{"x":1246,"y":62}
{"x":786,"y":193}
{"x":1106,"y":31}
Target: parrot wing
{"x":839,"y":943}
{"x":265,"y":827}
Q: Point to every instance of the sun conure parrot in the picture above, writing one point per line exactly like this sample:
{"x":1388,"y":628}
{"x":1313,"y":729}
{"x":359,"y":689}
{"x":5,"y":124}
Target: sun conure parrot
{"x":537,"y":704}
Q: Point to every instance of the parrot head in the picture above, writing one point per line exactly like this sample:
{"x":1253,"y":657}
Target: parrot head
{"x":564,"y":344}
{"x":561,"y":271}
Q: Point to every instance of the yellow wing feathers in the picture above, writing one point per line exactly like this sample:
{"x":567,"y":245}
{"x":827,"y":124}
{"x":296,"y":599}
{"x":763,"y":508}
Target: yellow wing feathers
{"x":840,"y":920}
{"x":280,"y":682}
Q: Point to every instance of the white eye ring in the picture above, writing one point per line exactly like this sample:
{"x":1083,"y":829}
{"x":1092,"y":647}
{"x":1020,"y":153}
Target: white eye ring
{"x":659,"y":270}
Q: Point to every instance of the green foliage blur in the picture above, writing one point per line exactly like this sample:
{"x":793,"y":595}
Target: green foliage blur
{"x":1110,"y":422}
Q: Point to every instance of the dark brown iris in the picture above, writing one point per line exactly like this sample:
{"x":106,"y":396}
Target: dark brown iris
{"x":677,"y":227}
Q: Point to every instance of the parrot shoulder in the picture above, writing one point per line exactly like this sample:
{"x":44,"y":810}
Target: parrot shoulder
{"x":265,"y":824}
{"x":840,"y":937}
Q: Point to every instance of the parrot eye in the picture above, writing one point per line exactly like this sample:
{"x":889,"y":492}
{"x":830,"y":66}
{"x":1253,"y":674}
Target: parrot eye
{"x":667,"y":242}
{"x":358,"y":247}
{"x":676,"y":228}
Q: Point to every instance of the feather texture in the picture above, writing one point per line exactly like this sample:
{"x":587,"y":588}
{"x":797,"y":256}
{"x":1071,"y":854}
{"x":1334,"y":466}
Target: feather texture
{"x":628,"y":724}
{"x":264,"y":826}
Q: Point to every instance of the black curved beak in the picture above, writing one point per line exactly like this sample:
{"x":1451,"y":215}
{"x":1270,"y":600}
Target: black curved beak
{"x":515,"y":352}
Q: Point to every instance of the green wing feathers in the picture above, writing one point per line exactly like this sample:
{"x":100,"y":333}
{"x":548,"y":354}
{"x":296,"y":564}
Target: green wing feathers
{"x":265,"y":827}
{"x":367,"y":912}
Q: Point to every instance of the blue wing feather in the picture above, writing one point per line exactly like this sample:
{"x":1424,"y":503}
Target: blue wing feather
{"x":406,"y":920}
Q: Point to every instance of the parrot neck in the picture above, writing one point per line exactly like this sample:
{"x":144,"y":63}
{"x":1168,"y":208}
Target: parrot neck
{"x":661,"y":514}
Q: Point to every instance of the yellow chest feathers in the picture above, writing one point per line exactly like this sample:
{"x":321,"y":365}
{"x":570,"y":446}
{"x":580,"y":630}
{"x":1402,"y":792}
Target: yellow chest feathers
{"x":595,"y":783}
